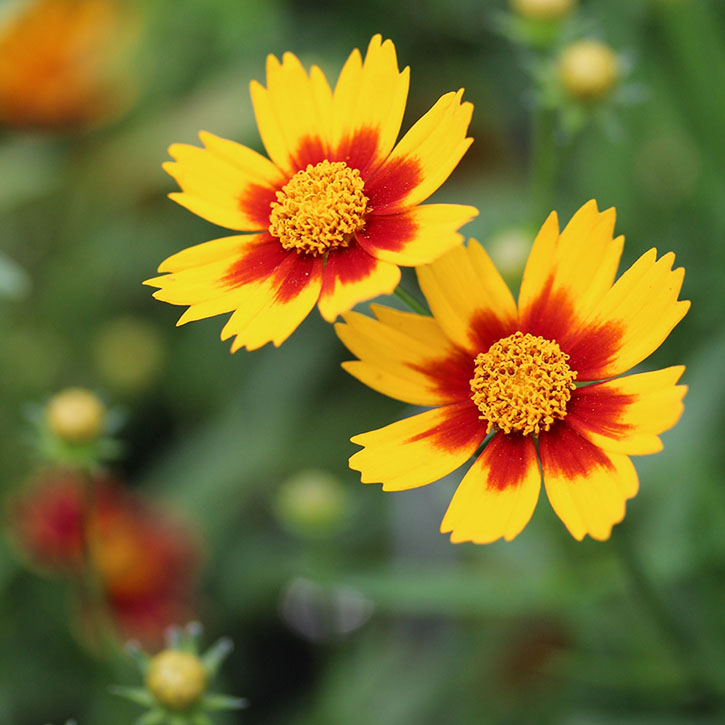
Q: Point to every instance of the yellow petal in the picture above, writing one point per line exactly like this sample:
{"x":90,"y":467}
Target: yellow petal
{"x":631,"y":321}
{"x":368,"y":106}
{"x":415,"y":236}
{"x":586,"y":486}
{"x":290,"y":113}
{"x":468,"y":298}
{"x":627,"y":415}
{"x":405,"y":356}
{"x":352,"y":276}
{"x":424,"y":158}
{"x":419,"y":450}
{"x":498,"y":495}
{"x":277,"y":306}
{"x":225,"y":183}
{"x":568,"y":274}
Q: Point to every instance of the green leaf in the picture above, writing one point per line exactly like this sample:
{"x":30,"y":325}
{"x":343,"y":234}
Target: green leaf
{"x":216,"y":654}
{"x":215,"y":701}
{"x":139,"y":695}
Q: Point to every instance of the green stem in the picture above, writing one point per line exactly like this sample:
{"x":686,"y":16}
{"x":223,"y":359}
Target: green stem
{"x":676,"y":637}
{"x":543,"y":161}
{"x":103,"y":631}
{"x":410,"y":301}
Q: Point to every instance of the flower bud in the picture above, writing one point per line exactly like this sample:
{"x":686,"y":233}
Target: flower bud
{"x":76,"y":415}
{"x":588,"y":69}
{"x":542,"y":9}
{"x":176,"y":679}
{"x":311,"y":503}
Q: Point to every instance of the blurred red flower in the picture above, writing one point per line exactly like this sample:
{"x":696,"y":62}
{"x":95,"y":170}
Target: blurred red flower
{"x":146,"y":560}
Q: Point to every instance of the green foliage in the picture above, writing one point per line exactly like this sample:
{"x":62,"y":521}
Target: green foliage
{"x":542,"y":629}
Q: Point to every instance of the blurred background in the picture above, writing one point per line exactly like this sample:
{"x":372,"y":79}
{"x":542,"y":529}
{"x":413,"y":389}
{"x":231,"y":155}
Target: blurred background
{"x":230,"y":500}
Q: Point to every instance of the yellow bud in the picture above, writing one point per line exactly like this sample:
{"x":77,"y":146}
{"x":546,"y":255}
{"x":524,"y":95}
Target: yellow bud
{"x":588,"y":69}
{"x":542,"y":9}
{"x":176,"y":679}
{"x":76,"y":415}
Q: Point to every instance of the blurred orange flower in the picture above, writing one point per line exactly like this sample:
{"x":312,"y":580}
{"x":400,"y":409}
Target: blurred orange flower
{"x":59,"y":63}
{"x":146,"y":560}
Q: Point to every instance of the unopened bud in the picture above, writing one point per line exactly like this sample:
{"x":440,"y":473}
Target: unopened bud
{"x":588,"y":69}
{"x":176,"y":679}
{"x":76,"y":415}
{"x":542,"y":9}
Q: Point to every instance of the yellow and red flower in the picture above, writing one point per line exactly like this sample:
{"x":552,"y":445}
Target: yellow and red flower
{"x":146,"y":561}
{"x":517,"y":378}
{"x":333,"y":211}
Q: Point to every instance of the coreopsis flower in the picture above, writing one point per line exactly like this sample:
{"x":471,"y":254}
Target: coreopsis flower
{"x":145,"y":560}
{"x":538,"y":383}
{"x":332,"y":212}
{"x":58,"y":63}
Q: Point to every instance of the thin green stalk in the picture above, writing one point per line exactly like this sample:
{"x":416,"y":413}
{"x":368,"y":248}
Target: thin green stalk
{"x":410,"y":301}
{"x":543,"y":161}
{"x":102,"y":627}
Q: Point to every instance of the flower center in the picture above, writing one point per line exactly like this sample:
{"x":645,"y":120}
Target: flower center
{"x":522,"y":383}
{"x":319,"y":208}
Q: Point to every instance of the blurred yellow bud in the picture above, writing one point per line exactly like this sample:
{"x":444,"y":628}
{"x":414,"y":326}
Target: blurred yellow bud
{"x":542,"y":9}
{"x":311,"y":503}
{"x":128,"y":354}
{"x":588,"y":69}
{"x":509,"y":249}
{"x":176,"y":679}
{"x":76,"y":415}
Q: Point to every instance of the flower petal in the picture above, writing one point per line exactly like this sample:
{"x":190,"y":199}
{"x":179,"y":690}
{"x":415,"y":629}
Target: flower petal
{"x":586,"y":486}
{"x":225,"y":183}
{"x":352,"y":276}
{"x":424,"y":158}
{"x":201,"y":273}
{"x":405,"y":356}
{"x":498,"y":495}
{"x":292,"y":113}
{"x":419,"y":450}
{"x":415,"y":236}
{"x":631,"y":321}
{"x":567,"y":274}
{"x":270,"y":289}
{"x":626,"y":415}
{"x":368,"y":106}
{"x":469,"y":298}
{"x":278,"y":302}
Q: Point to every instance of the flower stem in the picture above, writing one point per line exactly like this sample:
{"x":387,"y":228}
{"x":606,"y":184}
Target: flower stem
{"x":103,"y":632}
{"x":677,"y":638}
{"x":410,"y":301}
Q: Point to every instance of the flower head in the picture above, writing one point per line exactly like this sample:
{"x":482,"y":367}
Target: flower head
{"x":524,"y":377}
{"x":332,"y":212}
{"x":588,"y":69}
{"x":176,"y":679}
{"x":146,"y":561}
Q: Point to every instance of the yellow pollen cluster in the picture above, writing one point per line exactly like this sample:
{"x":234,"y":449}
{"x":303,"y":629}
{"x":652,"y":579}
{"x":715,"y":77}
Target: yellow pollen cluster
{"x":319,"y":208}
{"x":522,"y":383}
